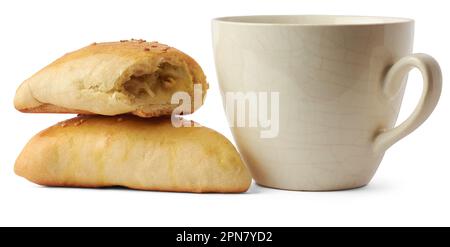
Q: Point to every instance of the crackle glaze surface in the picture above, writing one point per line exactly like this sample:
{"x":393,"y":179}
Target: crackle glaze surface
{"x":331,"y":74}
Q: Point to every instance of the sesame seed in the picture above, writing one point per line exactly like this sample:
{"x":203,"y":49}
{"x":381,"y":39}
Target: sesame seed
{"x":79,"y":122}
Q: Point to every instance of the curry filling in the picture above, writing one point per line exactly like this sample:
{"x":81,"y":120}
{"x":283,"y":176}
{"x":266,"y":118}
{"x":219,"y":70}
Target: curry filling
{"x":159,"y":86}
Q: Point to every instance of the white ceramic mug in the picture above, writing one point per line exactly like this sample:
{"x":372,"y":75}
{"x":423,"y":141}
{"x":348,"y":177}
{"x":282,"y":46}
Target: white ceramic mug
{"x":340,"y":80}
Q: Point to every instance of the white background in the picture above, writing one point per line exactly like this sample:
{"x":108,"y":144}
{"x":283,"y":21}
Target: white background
{"x":411,"y":187}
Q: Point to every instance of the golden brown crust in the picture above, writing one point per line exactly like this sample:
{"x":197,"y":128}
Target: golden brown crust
{"x":85,"y":80}
{"x":138,"y":153}
{"x":47,"y":108}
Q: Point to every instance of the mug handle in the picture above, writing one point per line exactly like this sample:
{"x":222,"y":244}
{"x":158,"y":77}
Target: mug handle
{"x":432,"y":86}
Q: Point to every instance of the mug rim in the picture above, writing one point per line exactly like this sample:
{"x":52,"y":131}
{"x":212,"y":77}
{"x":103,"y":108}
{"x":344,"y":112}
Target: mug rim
{"x":314,"y":20}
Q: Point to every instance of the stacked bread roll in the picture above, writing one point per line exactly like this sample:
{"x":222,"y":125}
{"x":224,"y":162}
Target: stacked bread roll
{"x":124,"y":135}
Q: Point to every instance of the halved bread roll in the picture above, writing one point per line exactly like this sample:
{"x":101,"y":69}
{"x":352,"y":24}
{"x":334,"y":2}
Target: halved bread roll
{"x":114,"y":78}
{"x":138,"y":153}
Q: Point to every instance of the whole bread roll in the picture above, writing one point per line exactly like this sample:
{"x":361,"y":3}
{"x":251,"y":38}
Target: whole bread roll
{"x":138,"y":153}
{"x":114,"y":78}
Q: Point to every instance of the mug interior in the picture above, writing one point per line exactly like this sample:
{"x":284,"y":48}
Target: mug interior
{"x":312,"y":20}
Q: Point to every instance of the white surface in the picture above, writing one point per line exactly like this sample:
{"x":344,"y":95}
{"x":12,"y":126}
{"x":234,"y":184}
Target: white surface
{"x":411,"y":186}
